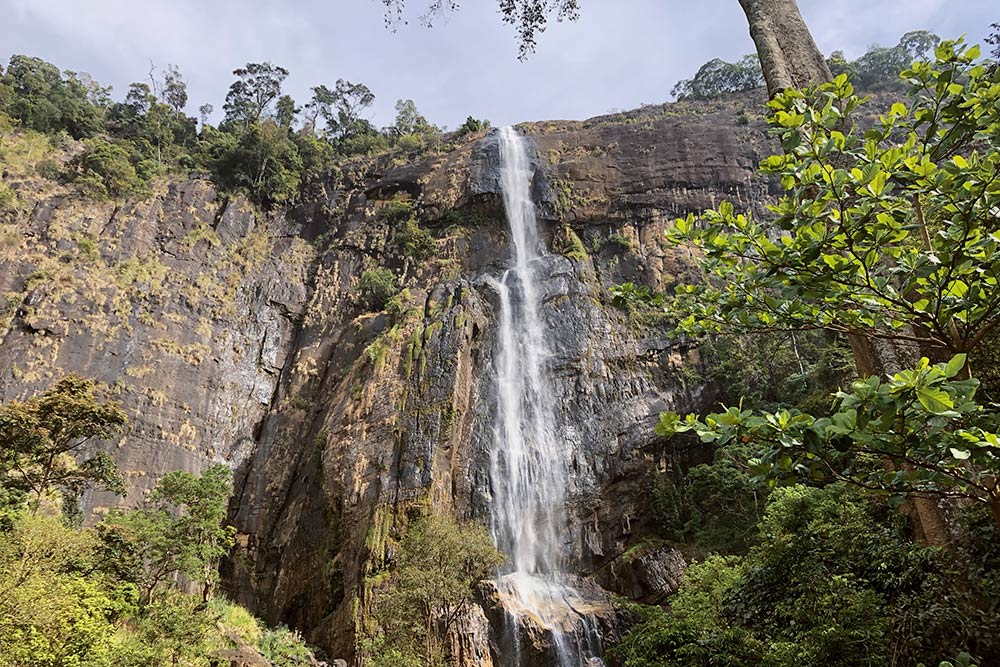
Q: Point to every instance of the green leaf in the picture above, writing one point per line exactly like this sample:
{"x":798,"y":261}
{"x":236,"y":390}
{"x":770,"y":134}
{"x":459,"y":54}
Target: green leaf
{"x":934,"y":399}
{"x":960,"y":454}
{"x":955,"y":366}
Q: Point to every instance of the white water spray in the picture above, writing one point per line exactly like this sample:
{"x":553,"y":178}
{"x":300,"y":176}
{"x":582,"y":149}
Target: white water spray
{"x":529,"y":461}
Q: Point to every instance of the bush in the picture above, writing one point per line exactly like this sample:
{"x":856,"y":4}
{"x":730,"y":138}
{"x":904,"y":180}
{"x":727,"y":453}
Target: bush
{"x":410,"y":142}
{"x":263,"y":160}
{"x":413,"y":240}
{"x":714,"y":507}
{"x":833,"y":579}
{"x":375,"y":288}
{"x":104,"y":170}
{"x":395,"y":211}
{"x":472,"y":125}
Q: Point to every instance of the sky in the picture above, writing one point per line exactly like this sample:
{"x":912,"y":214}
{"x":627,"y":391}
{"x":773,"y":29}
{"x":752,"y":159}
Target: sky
{"x":618,"y":55}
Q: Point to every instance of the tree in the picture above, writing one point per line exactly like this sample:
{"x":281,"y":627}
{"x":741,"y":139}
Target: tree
{"x":57,"y":604}
{"x":885,"y":63}
{"x":320,"y":106}
{"x":717,"y":77}
{"x":181,"y":529}
{"x":440,"y":562}
{"x":46,"y":440}
{"x":342,"y":108}
{"x":472,"y":125}
{"x":410,"y":121}
{"x":893,"y":242}
{"x":204,"y":112}
{"x":251,"y":95}
{"x":174,"y":89}
{"x":831,"y":579}
{"x":285,"y":112}
{"x":45,"y":101}
{"x":104,"y":170}
{"x":263,"y":159}
{"x":994,"y":40}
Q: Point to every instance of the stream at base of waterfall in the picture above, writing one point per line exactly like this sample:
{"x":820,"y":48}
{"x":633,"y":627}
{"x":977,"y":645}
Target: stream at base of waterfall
{"x":529,"y":463}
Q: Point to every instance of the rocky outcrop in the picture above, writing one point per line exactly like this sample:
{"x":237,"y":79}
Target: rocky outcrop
{"x":230,"y":335}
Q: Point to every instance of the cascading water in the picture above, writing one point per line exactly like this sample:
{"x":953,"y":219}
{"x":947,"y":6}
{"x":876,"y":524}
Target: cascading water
{"x":529,"y":461}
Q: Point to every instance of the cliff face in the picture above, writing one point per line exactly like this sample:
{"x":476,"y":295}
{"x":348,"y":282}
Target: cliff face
{"x":234,"y":336}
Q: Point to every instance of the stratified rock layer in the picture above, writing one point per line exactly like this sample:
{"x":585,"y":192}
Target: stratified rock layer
{"x":230,"y":335}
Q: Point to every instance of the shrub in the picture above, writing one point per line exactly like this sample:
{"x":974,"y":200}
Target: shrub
{"x":395,"y":211}
{"x":410,"y":142}
{"x":375,"y":288}
{"x":833,"y":579}
{"x":472,"y":125}
{"x":414,"y":241}
{"x":103,"y":170}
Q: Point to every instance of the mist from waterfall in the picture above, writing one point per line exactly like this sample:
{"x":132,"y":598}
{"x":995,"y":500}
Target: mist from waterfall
{"x":529,"y":460}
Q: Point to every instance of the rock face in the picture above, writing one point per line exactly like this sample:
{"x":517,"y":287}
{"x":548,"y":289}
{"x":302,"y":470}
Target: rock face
{"x":232,"y":336}
{"x":184,"y":304}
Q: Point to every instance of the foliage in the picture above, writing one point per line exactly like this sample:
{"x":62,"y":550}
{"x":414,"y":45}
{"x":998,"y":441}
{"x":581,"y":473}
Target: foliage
{"x":924,"y":423}
{"x":263,"y":160}
{"x":874,"y":235}
{"x":993,"y":39}
{"x":472,"y":125}
{"x":44,"y":99}
{"x":104,"y":170}
{"x":175,"y":89}
{"x":180,"y":530}
{"x":408,"y":236}
{"x":46,"y":441}
{"x":65,"y":599}
{"x":250,"y":97}
{"x":881,"y":64}
{"x":768,"y":370}
{"x":528,"y":17}
{"x":341,"y":108}
{"x":375,"y":288}
{"x":878,"y":239}
{"x":409,"y":121}
{"x":267,"y":145}
{"x":712,"y":507}
{"x":439,"y":563}
{"x":57,"y":605}
{"x":833,"y":579}
{"x":413,"y":240}
{"x":718,"y":77}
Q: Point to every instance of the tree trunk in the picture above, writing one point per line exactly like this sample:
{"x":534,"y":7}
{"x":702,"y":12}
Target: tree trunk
{"x":789,"y":58}
{"x":787,"y":52}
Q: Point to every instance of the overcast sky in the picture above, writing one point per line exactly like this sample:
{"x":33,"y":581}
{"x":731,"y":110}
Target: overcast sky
{"x":621,"y":53}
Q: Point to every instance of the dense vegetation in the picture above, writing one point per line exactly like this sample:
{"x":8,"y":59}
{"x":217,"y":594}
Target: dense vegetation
{"x":885,"y":233}
{"x":430,"y":584}
{"x":112,"y":593}
{"x":266,"y":145}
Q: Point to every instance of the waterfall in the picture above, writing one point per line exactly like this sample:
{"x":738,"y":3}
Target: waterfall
{"x":529,"y":460}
